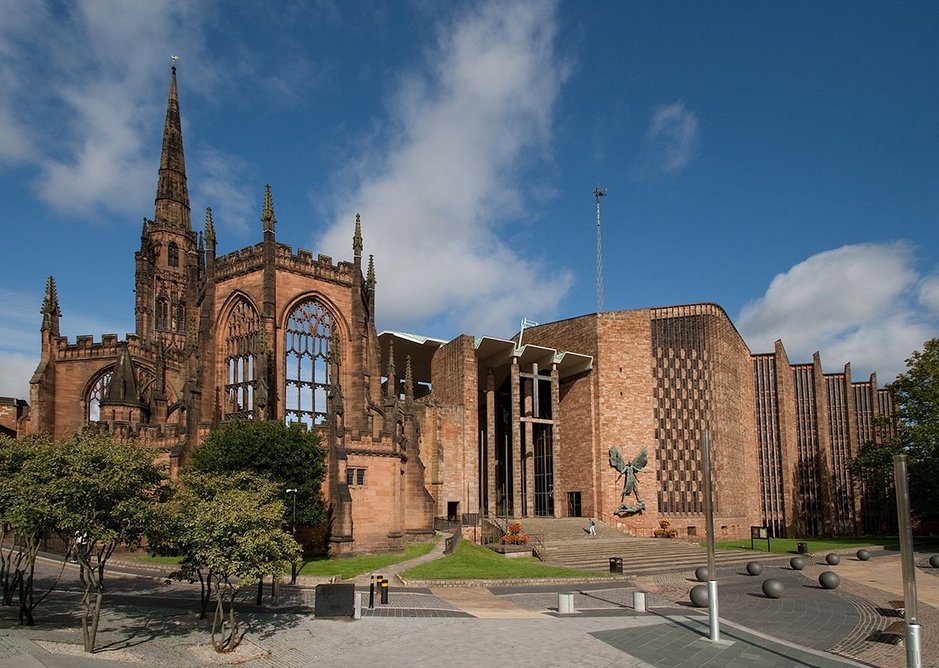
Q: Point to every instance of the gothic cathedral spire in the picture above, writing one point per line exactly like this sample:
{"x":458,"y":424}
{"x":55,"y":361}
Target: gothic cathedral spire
{"x":172,"y":195}
{"x":50,"y":309}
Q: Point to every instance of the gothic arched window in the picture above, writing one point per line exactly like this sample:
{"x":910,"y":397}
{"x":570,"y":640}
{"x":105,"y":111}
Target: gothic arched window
{"x":306,"y":349}
{"x":241,"y":340}
{"x":95,"y":395}
{"x":162,"y":314}
{"x":179,"y":318}
{"x":172,"y":254}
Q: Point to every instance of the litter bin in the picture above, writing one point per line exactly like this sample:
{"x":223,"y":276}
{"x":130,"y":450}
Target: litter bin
{"x":616,"y":564}
{"x":802,"y":548}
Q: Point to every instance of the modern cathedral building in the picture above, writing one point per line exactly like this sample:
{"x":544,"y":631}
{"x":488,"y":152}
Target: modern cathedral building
{"x":418,"y":428}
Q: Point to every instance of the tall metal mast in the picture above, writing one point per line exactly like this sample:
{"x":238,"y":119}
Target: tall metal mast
{"x":599,"y":193}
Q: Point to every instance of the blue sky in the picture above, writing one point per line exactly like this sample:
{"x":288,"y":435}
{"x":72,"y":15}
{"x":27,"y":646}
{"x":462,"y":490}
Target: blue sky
{"x":780,"y":159}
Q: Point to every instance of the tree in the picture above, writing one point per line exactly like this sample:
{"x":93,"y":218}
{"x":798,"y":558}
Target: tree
{"x":914,"y":432}
{"x":288,"y":455}
{"x":230,"y":527}
{"x":106,"y":493}
{"x":27,"y":515}
{"x":916,"y":393}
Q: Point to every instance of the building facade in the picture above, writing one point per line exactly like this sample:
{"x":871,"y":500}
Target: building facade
{"x":418,"y":428}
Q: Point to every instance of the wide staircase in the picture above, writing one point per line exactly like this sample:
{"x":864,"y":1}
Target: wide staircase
{"x":564,"y":541}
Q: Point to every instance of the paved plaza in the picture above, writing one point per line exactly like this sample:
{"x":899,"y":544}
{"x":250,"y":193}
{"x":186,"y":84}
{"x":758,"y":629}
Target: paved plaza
{"x":148,"y":622}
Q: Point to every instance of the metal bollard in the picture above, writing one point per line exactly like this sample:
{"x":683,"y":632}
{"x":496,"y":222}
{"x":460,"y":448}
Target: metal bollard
{"x":357,"y":611}
{"x":565,"y":603}
{"x":639,"y":601}
{"x":384,"y":591}
{"x":371,"y":594}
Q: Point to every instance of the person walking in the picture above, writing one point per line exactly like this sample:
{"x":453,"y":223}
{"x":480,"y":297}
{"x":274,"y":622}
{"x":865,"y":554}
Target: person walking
{"x":592,"y":528}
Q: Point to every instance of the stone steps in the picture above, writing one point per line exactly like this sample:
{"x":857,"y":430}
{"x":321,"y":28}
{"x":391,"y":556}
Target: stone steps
{"x":564,"y":542}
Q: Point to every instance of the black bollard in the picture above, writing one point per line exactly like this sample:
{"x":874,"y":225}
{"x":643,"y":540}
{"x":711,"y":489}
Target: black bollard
{"x":384,"y":591}
{"x":371,"y":594}
{"x":260,"y":591}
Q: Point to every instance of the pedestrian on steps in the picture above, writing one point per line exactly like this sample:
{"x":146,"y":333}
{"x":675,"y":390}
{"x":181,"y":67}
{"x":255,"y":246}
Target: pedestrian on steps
{"x":592,"y":528}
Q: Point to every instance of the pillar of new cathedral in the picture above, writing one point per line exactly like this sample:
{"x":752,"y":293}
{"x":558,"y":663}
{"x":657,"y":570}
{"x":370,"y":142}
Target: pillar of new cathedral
{"x":516,"y":449}
{"x":556,"y":462}
{"x":491,"y":453}
{"x":267,"y":349}
{"x":529,"y":397}
{"x":823,"y":433}
{"x":857,"y":491}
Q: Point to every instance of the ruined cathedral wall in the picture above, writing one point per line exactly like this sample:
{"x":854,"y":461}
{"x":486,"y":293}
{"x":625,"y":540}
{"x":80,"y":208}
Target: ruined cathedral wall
{"x":454,"y":427}
{"x":376,"y":502}
{"x":77,"y":365}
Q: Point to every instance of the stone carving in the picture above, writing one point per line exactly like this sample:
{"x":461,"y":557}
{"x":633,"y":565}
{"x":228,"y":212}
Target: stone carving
{"x":631,"y":485}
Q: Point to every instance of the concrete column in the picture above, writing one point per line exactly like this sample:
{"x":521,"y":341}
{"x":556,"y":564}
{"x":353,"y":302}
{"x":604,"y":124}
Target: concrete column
{"x":491,"y":445}
{"x":528,"y":445}
{"x":555,"y":435}
{"x":516,"y":444}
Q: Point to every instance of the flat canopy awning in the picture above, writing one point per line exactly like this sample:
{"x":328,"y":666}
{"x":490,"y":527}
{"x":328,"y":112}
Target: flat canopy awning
{"x":420,"y":348}
{"x":491,"y":353}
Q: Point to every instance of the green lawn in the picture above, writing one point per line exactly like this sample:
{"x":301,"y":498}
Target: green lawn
{"x":351,"y":566}
{"x":141,"y":556}
{"x":474,"y":562}
{"x":815,"y":545}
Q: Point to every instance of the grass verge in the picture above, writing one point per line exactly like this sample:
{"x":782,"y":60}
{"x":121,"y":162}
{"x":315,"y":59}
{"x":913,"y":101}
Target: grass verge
{"x":474,"y":562}
{"x":815,"y":545}
{"x":351,"y":566}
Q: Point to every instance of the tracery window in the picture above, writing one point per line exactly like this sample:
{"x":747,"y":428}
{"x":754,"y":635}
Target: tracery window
{"x":99,"y":387}
{"x":172,"y":254}
{"x":95,"y":395}
{"x":306,"y":346}
{"x":178,"y":323}
{"x":241,"y":340}
{"x":162,"y":314}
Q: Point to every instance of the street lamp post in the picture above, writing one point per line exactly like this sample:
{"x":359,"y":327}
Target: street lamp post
{"x":293,"y":532}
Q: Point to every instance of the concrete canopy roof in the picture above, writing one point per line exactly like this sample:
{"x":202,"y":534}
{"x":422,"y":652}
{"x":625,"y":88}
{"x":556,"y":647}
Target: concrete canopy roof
{"x":491,"y":353}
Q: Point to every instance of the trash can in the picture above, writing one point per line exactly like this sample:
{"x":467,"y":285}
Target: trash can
{"x":616,"y":564}
{"x":802,"y":548}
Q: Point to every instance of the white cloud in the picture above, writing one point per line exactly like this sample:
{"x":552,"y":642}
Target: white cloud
{"x":929,"y":294}
{"x":672,"y":137}
{"x":852,"y":304}
{"x":84,"y":111}
{"x":220,"y":183}
{"x":15,"y":372}
{"x":436,"y":205}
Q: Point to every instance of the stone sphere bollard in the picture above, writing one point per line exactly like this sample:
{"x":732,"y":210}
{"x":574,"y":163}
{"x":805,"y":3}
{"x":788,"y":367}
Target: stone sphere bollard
{"x":934,"y":561}
{"x":699,"y":596}
{"x":829,"y":580}
{"x":701,"y":574}
{"x":773,"y":588}
{"x":797,"y":563}
{"x":754,"y":568}
{"x":863,"y":555}
{"x":832,"y":559}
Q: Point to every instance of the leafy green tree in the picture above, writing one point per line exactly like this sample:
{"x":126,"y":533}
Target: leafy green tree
{"x":915,"y":433}
{"x":27,"y":515}
{"x":231,"y":528}
{"x":288,"y":455}
{"x":106,"y":493}
{"x":916,"y":393}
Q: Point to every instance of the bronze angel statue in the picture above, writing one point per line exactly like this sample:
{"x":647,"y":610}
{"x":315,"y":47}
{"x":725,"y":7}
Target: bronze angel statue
{"x":631,"y":486}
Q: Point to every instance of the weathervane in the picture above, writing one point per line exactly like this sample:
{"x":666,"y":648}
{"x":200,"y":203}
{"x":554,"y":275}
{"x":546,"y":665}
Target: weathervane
{"x":174,"y":58}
